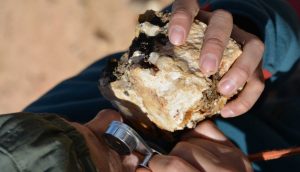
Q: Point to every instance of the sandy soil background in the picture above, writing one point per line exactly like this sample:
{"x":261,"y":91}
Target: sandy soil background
{"x":43,"y":42}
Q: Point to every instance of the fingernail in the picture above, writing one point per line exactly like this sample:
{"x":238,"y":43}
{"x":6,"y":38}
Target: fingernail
{"x":208,"y":64}
{"x":227,"y":87}
{"x":227,"y":113}
{"x":176,"y":35}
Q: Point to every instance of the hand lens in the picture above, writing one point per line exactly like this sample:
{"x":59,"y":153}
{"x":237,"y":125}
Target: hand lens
{"x":124,"y":140}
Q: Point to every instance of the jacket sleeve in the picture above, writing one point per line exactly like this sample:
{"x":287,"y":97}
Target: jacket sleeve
{"x":278,"y":26}
{"x":6,"y":161}
{"x":41,"y":142}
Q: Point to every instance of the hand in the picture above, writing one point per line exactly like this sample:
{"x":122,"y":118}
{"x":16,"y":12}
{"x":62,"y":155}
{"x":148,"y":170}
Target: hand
{"x":104,"y":158}
{"x":203,"y":149}
{"x":246,"y":70}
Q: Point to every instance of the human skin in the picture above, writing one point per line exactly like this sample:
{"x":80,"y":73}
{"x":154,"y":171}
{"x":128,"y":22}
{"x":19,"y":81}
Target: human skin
{"x":246,"y":70}
{"x":203,"y":149}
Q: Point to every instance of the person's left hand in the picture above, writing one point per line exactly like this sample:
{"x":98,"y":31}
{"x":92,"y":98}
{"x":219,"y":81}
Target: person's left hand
{"x":246,"y":70}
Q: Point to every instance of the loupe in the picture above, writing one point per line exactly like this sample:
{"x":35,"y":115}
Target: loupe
{"x":124,"y":140}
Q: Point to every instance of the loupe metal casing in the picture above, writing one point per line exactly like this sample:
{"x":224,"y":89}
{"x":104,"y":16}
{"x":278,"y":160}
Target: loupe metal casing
{"x":124,"y":140}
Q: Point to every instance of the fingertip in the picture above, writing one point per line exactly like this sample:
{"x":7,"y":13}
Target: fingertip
{"x":103,"y":119}
{"x":179,"y":26}
{"x":227,"y":87}
{"x":227,"y":113}
{"x":208,"y":64}
{"x":109,"y":113}
{"x":183,"y":14}
{"x":177,"y":35}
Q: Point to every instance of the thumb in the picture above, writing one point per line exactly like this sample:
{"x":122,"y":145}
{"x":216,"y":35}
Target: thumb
{"x":102,"y":120}
{"x":208,"y":130}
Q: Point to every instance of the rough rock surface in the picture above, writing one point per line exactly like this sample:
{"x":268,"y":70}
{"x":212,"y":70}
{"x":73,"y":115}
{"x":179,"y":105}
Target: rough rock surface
{"x":162,"y":82}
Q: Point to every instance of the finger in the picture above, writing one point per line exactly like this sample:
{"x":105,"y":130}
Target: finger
{"x":215,"y":40}
{"x":208,"y":130}
{"x":210,"y":156}
{"x":200,"y":153}
{"x":183,"y":13}
{"x":100,"y":123}
{"x":247,"y":98}
{"x":170,"y":164}
{"x":192,"y":153}
{"x":244,"y":66}
{"x":141,"y":169}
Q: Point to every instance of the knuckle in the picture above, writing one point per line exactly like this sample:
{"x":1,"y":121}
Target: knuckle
{"x":174,"y":164}
{"x":215,"y":41}
{"x":259,"y":86}
{"x":183,"y":144}
{"x":258,"y":44}
{"x":244,"y":106}
{"x":258,"y":80}
{"x":257,"y":91}
{"x":182,"y":13}
{"x":224,"y":14}
{"x":191,"y":7}
{"x":243,"y":71}
{"x":260,"y":74}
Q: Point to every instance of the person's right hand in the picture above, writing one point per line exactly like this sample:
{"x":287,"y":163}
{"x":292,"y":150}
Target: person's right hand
{"x":203,"y":149}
